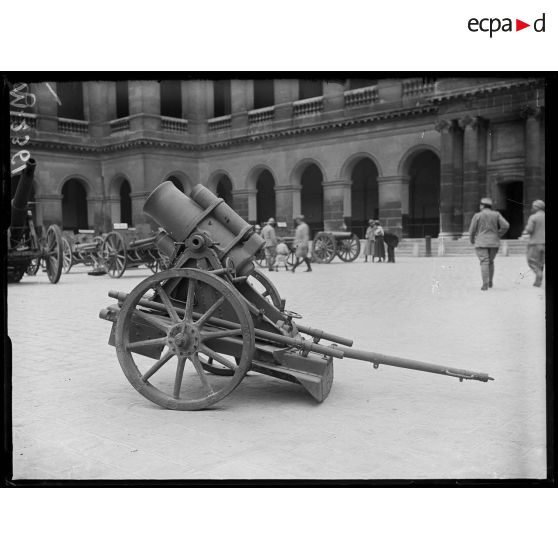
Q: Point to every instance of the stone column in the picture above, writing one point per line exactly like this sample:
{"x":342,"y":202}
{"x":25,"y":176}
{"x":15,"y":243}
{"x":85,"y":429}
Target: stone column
{"x":46,"y":107}
{"x":145,"y":105}
{"x":95,"y":213}
{"x":534,"y":178}
{"x":195,"y":105}
{"x":457,"y":187}
{"x":113,"y":209}
{"x":241,"y":202}
{"x":99,"y":109}
{"x":138,"y":216}
{"x":334,"y":204}
{"x":242,"y":100}
{"x":285,"y":91}
{"x":50,"y":208}
{"x":474,"y":167}
{"x":446,"y":178}
{"x":333,"y":96}
{"x":389,"y":193}
{"x":287,"y":203}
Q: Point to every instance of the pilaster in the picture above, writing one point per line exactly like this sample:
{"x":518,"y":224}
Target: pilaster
{"x":333,"y":96}
{"x":99,"y":108}
{"x":389,"y":196}
{"x":46,"y":107}
{"x":534,"y":174}
{"x":242,"y":100}
{"x":335,"y":204}
{"x":446,"y":177}
{"x":286,"y":91}
{"x":50,"y":206}
{"x":145,"y":105}
{"x":287,"y":203}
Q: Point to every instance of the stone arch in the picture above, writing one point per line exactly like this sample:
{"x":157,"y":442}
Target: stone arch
{"x":75,"y":192}
{"x":296,"y":174}
{"x":75,"y":176}
{"x":420,"y":203}
{"x":261,"y":179}
{"x":255,"y":172}
{"x":349,"y":165}
{"x":215,"y":177}
{"x":309,"y":175}
{"x":181,"y":180}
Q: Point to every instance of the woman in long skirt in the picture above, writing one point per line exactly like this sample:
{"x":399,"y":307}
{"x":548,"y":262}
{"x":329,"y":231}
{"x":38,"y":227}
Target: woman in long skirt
{"x":369,"y":244}
{"x":379,"y":248}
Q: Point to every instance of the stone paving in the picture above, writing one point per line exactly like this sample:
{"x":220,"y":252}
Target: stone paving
{"x":75,"y":416}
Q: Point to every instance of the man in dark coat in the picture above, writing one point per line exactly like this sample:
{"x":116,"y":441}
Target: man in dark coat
{"x":392,"y":240}
{"x":536,"y":245}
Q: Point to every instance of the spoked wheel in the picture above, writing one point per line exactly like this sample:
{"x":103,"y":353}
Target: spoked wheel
{"x":291,"y":259}
{"x":260,"y":258}
{"x":348,"y":249}
{"x":33,"y":266}
{"x":264,"y":287}
{"x":68,"y":260}
{"x":53,"y":255}
{"x":323,"y":248}
{"x":175,"y":326}
{"x":114,"y":254}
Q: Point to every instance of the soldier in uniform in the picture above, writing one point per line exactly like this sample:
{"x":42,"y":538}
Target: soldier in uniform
{"x":301,"y":242}
{"x":486,"y":230}
{"x":536,"y":245}
{"x":268,"y":234}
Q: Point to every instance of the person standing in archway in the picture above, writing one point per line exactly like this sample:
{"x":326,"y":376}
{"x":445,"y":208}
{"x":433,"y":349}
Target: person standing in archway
{"x":301,"y":243}
{"x":536,"y":245}
{"x":268,"y":234}
{"x":369,"y":244}
{"x":379,"y":248}
{"x":486,"y":230}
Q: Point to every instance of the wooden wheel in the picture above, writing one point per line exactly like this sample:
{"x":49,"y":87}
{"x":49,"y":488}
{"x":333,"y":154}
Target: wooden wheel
{"x":264,"y":287}
{"x":114,"y":254}
{"x":67,"y":258}
{"x":348,"y":249}
{"x":181,"y":336}
{"x":53,"y":253}
{"x":323,"y":248}
{"x":260,"y":258}
{"x":291,"y":259}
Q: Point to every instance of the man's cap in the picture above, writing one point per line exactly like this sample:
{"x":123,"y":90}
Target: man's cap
{"x":371,"y":221}
{"x":538,"y":204}
{"x":486,"y":201}
{"x":271,"y":221}
{"x":301,"y":217}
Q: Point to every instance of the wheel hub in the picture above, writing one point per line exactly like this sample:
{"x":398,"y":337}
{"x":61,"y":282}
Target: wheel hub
{"x":183,"y":339}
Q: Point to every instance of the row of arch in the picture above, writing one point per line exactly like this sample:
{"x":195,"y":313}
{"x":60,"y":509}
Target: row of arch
{"x":420,"y":212}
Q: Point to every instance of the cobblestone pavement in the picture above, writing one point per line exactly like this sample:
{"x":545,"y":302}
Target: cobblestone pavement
{"x":75,"y":416}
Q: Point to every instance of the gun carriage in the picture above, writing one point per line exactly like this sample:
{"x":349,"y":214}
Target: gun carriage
{"x":29,"y":246}
{"x":126,"y":249}
{"x":186,"y":337}
{"x":83,"y":248}
{"x":327,"y":245}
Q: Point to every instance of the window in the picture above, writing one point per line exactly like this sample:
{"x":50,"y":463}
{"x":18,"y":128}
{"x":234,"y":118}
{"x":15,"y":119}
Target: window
{"x":221,"y":97}
{"x":122,"y":102}
{"x":171,"y":98}
{"x":360,"y":83}
{"x":308,"y":88}
{"x":263,"y":93}
{"x":70,"y":94}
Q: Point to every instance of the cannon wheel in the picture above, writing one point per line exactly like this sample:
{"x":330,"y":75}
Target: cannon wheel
{"x":348,"y":249}
{"x":323,"y":248}
{"x":68,"y":260}
{"x":114,"y":254}
{"x":260,"y":258}
{"x":291,"y":258}
{"x":183,"y":335}
{"x":53,"y":253}
{"x":265,"y":288}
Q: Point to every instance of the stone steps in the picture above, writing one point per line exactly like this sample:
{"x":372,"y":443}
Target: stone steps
{"x":460,"y":247}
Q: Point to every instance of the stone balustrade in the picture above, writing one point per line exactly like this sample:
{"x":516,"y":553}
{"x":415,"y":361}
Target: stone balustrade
{"x":418,"y":87}
{"x":71,"y":126}
{"x":219,"y":123}
{"x":257,"y":116}
{"x":362,"y":96}
{"x":171,"y":124}
{"x":16,"y":118}
{"x":306,"y":107}
{"x":120,"y":124}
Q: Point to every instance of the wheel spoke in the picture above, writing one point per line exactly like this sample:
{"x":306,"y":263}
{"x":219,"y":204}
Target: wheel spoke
{"x":201,"y":373}
{"x":178,"y":378}
{"x":158,"y":321}
{"x":164,"y":359}
{"x":146,"y":343}
{"x":220,"y":333}
{"x":168,"y":304}
{"x":216,"y":356}
{"x":210,"y":312}
{"x":189,"y":308}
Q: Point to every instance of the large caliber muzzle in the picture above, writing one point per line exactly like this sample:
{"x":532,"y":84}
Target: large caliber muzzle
{"x":21,"y":199}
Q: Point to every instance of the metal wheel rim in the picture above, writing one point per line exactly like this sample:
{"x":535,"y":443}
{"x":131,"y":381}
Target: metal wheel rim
{"x":53,"y":255}
{"x":114,"y":255}
{"x":348,"y":249}
{"x":67,"y":260}
{"x":141,"y":381}
{"x":323,"y":248}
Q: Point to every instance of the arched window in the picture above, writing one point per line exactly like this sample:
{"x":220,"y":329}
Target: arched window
{"x":224,"y":190}
{"x":176,"y":182}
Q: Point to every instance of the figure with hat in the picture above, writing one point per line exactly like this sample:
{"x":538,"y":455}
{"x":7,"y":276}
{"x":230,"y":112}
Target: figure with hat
{"x":536,"y":245}
{"x":301,"y":243}
{"x":369,"y":237}
{"x":379,"y":248}
{"x":486,"y":230}
{"x":268,"y":234}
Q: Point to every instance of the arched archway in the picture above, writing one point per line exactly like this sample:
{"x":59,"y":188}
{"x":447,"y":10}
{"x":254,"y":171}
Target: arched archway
{"x":511,"y":194}
{"x":265,"y":196}
{"x":224,"y":189}
{"x":422,"y":217}
{"x":125,"y":203}
{"x":74,"y":205}
{"x":177,"y":182}
{"x":365,"y":202}
{"x":312,"y":197}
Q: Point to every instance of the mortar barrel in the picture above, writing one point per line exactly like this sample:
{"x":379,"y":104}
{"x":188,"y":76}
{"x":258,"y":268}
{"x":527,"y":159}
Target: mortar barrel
{"x":21,"y":199}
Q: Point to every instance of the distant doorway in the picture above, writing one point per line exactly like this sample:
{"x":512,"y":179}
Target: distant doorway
{"x":312,"y":198}
{"x":125,"y":203}
{"x":176,"y":182}
{"x":224,"y":190}
{"x":265,"y":197}
{"x":74,"y":205}
{"x":364,"y":196}
{"x":512,"y":194}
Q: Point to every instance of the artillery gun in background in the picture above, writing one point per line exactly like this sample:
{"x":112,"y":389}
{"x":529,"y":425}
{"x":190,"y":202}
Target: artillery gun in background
{"x":186,"y":337}
{"x":29,"y":246}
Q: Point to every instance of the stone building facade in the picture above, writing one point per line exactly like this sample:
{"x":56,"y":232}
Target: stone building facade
{"x":416,"y":153}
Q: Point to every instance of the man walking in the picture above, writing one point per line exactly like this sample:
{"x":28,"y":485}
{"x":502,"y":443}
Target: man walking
{"x":268,"y":234}
{"x":301,"y":243}
{"x":536,"y":246}
{"x":486,"y":230}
